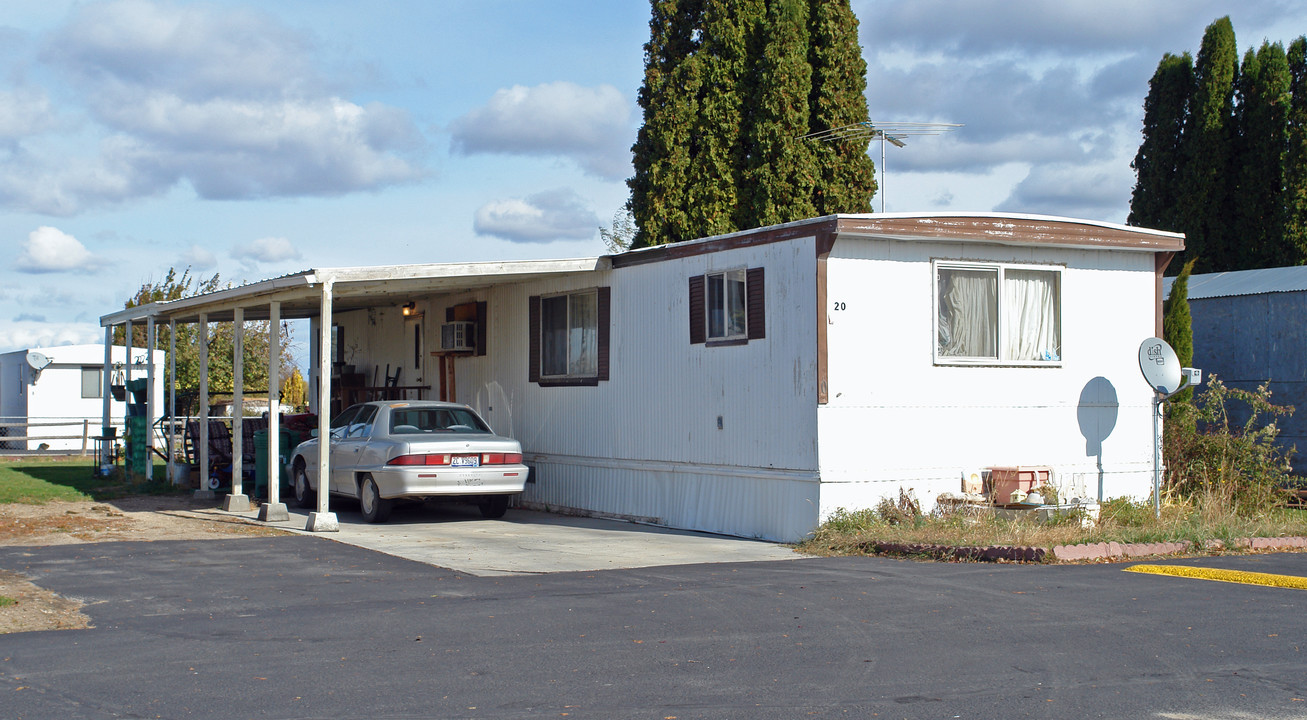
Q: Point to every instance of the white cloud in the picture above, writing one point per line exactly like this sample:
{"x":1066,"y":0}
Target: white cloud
{"x":28,"y":334}
{"x":197,"y":258}
{"x":227,"y":102}
{"x":542,"y":217}
{"x":266,"y":250}
{"x":49,"y":250}
{"x":589,"y":125}
{"x":1095,"y":191}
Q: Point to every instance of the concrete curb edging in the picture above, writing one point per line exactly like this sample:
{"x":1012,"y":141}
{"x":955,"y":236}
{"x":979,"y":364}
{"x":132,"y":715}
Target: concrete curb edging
{"x":1077,"y":553}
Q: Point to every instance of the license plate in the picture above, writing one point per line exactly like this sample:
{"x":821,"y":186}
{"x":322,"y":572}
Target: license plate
{"x":465,"y":461}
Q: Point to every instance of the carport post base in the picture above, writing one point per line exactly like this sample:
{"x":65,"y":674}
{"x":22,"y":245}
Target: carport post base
{"x":273,"y":512}
{"x":236,"y":503}
{"x":322,"y":522}
{"x":204,"y":494}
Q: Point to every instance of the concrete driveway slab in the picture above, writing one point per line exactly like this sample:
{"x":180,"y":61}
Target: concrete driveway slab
{"x":527,"y":541}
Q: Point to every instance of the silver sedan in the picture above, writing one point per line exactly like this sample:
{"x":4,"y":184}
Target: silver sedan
{"x":387,"y":451}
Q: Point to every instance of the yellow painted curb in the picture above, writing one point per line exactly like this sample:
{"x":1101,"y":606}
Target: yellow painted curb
{"x":1233,"y":576}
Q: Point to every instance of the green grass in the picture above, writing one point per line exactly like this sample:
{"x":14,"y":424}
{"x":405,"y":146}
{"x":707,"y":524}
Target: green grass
{"x":39,"y":481}
{"x":1196,"y":521}
{"x":6,"y":601}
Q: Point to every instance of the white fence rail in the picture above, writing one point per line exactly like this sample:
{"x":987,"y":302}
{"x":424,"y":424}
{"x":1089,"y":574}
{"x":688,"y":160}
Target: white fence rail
{"x":17,"y":435}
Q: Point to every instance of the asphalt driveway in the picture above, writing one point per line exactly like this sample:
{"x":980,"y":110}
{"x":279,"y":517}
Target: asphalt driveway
{"x":303,"y":627}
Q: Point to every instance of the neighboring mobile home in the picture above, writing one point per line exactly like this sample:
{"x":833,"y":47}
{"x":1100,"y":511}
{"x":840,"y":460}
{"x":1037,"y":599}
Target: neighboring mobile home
{"x":62,"y":402}
{"x":1249,"y":329}
{"x":753,"y":383}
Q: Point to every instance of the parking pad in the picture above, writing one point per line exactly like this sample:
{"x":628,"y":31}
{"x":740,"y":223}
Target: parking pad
{"x":526,"y":541}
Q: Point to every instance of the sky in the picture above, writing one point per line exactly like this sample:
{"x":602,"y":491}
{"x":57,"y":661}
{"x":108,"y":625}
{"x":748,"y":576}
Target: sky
{"x":254,"y":139}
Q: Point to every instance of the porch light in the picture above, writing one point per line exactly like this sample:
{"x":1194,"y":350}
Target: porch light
{"x":409,"y":307}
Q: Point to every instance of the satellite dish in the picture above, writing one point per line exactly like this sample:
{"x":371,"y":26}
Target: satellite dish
{"x":1160,"y":366}
{"x":37,"y":360}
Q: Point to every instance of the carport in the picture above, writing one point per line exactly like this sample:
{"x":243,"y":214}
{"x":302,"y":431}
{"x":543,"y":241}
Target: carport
{"x":316,"y":295}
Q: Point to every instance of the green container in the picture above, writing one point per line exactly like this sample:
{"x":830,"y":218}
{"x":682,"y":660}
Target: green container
{"x":136,"y":453}
{"x":261,"y":460}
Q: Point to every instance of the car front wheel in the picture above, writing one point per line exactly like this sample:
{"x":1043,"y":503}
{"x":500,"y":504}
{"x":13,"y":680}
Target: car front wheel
{"x":375,"y":508}
{"x":304,"y":495}
{"x":493,"y":506}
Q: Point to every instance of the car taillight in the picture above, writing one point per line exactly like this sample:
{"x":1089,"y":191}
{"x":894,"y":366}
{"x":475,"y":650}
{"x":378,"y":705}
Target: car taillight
{"x":420,"y":460}
{"x":501,"y":458}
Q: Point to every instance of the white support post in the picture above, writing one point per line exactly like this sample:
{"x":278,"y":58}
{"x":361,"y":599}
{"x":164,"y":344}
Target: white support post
{"x":172,"y":399}
{"x":204,"y":493}
{"x":323,"y":520}
{"x":127,"y":397}
{"x":237,"y":500}
{"x":150,"y":342}
{"x":105,"y":381}
{"x":274,"y":510}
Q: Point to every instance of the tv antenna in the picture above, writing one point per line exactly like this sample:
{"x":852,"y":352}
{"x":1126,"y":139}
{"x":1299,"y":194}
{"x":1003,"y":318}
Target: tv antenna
{"x":892,"y":133}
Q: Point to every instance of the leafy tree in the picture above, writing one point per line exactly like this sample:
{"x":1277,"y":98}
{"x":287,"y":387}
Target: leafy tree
{"x":1207,"y":141}
{"x":1159,"y":161}
{"x":221,"y":340}
{"x":1256,"y":239}
{"x":668,"y":98}
{"x":295,"y":391}
{"x":1294,"y":246}
{"x":780,"y":172}
{"x":846,"y":175}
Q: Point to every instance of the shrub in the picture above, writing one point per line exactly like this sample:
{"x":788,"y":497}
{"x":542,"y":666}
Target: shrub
{"x":1208,"y":457}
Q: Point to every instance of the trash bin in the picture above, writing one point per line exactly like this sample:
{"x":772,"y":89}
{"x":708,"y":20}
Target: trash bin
{"x":261,"y":460}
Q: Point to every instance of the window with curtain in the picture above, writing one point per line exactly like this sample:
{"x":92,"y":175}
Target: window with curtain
{"x":997,"y":314}
{"x":569,"y":335}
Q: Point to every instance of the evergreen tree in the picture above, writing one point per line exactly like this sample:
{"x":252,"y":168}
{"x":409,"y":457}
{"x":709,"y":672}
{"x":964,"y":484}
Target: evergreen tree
{"x":780,"y":171}
{"x":1159,"y":162}
{"x":1257,"y":235}
{"x":1207,"y":140}
{"x":846,"y":176}
{"x":1294,"y":246}
{"x":713,"y":195}
{"x":1177,"y":325}
{"x":662,"y":146}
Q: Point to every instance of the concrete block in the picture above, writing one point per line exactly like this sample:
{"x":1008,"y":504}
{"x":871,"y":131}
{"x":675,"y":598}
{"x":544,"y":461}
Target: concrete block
{"x":273,"y":512}
{"x":322,"y":522}
{"x":236,"y":503}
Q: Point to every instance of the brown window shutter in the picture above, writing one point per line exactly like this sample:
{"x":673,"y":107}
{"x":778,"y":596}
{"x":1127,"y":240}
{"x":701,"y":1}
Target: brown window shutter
{"x":482,"y":331}
{"x":698,"y":331}
{"x":757,"y":312}
{"x":533,"y":339}
{"x":604,"y":302}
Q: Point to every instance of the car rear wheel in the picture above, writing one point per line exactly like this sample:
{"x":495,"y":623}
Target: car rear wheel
{"x":304,"y":495}
{"x":375,"y":508}
{"x":493,"y":506}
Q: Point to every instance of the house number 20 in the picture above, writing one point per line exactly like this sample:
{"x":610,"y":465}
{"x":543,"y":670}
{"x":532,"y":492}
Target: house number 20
{"x":839,"y":306}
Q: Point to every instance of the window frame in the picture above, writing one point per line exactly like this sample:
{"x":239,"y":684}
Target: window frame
{"x":728,"y":278}
{"x":1000,"y":270}
{"x":98,"y":372}
{"x":536,"y":328}
{"x":754,"y":309}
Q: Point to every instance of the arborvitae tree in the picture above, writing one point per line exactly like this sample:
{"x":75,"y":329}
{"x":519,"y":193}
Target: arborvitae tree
{"x":1206,"y":199}
{"x":723,"y":60}
{"x":1158,"y":163}
{"x":780,"y":173}
{"x":846,"y":176}
{"x":1294,"y":245}
{"x":1177,"y":325}
{"x":662,"y":147}
{"x":1257,"y":235}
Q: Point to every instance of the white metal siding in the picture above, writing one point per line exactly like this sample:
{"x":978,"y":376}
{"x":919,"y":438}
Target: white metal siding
{"x":895,"y":419}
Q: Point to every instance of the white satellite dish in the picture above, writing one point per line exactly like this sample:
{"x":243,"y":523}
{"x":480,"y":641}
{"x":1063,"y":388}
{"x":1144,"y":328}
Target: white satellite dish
{"x":1160,"y":366}
{"x":37,"y":360}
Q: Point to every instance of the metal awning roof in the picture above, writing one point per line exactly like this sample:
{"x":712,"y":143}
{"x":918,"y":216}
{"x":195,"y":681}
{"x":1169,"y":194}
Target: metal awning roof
{"x":353,"y":288}
{"x":1245,"y":282}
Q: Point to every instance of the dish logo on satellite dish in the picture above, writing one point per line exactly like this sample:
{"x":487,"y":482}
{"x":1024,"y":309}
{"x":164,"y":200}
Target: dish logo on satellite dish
{"x":1161,"y":368}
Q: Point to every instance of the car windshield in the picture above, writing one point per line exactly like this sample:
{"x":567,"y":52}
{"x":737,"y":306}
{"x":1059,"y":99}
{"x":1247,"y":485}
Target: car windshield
{"x":435,"y":420}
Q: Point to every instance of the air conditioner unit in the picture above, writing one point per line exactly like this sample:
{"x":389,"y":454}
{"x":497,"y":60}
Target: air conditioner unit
{"x":458,"y":336}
